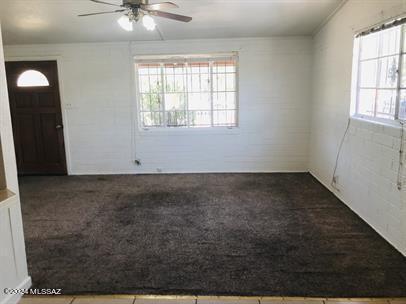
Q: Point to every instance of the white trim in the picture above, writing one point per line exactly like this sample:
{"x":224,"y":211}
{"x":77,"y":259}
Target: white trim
{"x":329,"y":17}
{"x":356,"y":68}
{"x":399,"y":70}
{"x":159,"y":59}
{"x":189,"y":130}
{"x":134,"y":102}
{"x":377,"y":120}
{"x":191,"y":172}
{"x":59,"y":60}
{"x":389,"y":19}
{"x":185,"y":56}
{"x":15,"y":298}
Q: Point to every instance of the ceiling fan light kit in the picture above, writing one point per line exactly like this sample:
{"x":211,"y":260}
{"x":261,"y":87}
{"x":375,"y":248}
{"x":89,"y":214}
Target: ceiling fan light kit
{"x":134,"y":10}
{"x":125,"y":23}
{"x":148,"y":22}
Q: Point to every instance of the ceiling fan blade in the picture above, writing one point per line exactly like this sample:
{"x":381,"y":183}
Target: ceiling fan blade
{"x":159,"y":6}
{"x":102,"y":2}
{"x":100,"y":13}
{"x":170,"y":16}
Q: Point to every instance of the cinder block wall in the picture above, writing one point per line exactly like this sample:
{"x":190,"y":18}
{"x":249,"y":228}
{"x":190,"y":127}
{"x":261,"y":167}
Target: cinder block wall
{"x":368,"y":165}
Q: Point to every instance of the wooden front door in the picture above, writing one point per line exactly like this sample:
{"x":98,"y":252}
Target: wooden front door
{"x":36,"y":117}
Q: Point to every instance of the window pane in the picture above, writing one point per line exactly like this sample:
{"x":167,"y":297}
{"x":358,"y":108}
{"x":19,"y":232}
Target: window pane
{"x":230,"y":100}
{"x":142,"y":70}
{"x":219,"y":82}
{"x":205,"y":83}
{"x":176,"y":118}
{"x":194,"y":69}
{"x":219,"y":67}
{"x":194,"y":83}
{"x":200,"y":118}
{"x":190,"y":91}
{"x":385,"y":104}
{"x":149,"y":69}
{"x":402,"y":105}
{"x":151,"y":119}
{"x":404,"y":40}
{"x":170,"y":83}
{"x":32,"y":78}
{"x":204,"y":67}
{"x":169,"y":69}
{"x":154,"y":83}
{"x":219,"y":100}
{"x":174,"y":68}
{"x":388,"y":72}
{"x":150,"y":102}
{"x":368,"y":70}
{"x":180,"y":83}
{"x":198,"y":67}
{"x":223,"y":118}
{"x":390,"y":41}
{"x":180,"y":69}
{"x":230,"y":82}
{"x":199,"y":101}
{"x":154,"y":69}
{"x":369,"y":46}
{"x":145,"y":105}
{"x":175,"y":101}
{"x":144,"y":84}
{"x":230,"y":68}
{"x":174,"y":83}
{"x":379,"y":65}
{"x":224,"y":100}
{"x":403,"y":80}
{"x":366,"y":102}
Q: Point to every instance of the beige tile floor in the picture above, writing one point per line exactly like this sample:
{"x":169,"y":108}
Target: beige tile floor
{"x":199,"y":300}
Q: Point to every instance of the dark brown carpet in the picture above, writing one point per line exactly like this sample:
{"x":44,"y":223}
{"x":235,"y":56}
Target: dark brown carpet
{"x":206,"y":234}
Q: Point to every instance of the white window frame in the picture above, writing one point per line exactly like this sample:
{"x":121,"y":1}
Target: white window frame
{"x":357,"y":75}
{"x":212,"y":57}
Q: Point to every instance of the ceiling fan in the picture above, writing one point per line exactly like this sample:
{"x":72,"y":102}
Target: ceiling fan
{"x":134,"y":10}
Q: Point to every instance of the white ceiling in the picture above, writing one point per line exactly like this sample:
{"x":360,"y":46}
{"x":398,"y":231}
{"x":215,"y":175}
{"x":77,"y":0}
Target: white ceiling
{"x":56,"y":21}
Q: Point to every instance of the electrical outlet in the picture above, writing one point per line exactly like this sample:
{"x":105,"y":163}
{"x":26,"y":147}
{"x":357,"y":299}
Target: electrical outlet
{"x":159,"y":170}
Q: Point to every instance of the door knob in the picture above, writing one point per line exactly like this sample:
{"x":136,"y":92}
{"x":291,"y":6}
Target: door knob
{"x":58,"y":127}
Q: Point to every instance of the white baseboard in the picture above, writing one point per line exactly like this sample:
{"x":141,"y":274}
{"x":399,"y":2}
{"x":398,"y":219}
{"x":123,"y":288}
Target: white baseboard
{"x":73,"y":173}
{"x":15,"y":298}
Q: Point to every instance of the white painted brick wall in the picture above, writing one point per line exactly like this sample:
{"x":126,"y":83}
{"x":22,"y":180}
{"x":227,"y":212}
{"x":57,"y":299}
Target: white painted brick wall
{"x":99,"y":108}
{"x":368,"y":165}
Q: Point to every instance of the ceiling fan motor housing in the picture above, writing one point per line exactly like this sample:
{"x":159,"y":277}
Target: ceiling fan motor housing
{"x":134,"y":2}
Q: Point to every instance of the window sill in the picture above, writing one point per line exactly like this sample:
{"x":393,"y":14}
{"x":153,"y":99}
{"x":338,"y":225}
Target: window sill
{"x":391,"y":127}
{"x":378,"y":121}
{"x":189,"y":131}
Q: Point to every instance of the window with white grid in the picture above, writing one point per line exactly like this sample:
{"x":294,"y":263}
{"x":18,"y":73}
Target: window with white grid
{"x":187,"y":91}
{"x":381,"y":81}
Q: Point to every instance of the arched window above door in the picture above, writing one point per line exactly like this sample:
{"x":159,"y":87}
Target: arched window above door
{"x":32,"y":78}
